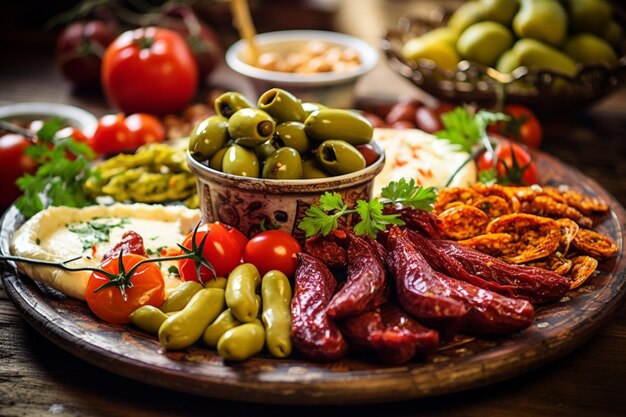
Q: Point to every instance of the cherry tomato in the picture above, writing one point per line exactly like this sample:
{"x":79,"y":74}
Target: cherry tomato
{"x":273,"y":249}
{"x":222,"y":248}
{"x":14,"y":164}
{"x":72,"y":132}
{"x":145,"y":128}
{"x":148,"y":289}
{"x":428,"y":119}
{"x":149,"y":70}
{"x":515,"y":164}
{"x":112,"y":135}
{"x":79,"y":51}
{"x":523,"y":126}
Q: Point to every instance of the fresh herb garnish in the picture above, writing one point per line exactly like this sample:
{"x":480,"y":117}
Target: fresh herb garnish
{"x":63,"y":168}
{"x":96,"y":231}
{"x":324,"y":217}
{"x":465,"y":128}
{"x":408,"y":193}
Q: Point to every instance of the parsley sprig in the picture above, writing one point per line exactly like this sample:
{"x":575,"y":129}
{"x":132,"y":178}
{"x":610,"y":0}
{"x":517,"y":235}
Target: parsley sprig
{"x":63,"y":168}
{"x":466,"y":128}
{"x":324,"y":217}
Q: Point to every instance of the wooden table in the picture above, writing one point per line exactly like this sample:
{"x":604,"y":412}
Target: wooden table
{"x":38,"y":378}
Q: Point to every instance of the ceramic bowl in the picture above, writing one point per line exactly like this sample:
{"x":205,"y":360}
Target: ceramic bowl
{"x":27,"y":112}
{"x":334,"y":89}
{"x":249,"y":203}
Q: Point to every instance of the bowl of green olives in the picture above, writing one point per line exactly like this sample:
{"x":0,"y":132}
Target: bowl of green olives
{"x":319,"y":66}
{"x":262,"y":165}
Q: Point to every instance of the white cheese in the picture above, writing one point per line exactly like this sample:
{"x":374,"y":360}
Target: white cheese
{"x":412,"y":153}
{"x":48,"y":236}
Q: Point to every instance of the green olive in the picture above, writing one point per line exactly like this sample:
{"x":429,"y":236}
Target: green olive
{"x":242,"y":342}
{"x":216,"y":160}
{"x":282,"y":105}
{"x":251,"y":127}
{"x":148,"y":318}
{"x":340,"y":124}
{"x":229,"y":102}
{"x":311,"y":169}
{"x":339,"y":157}
{"x":238,"y":160}
{"x":184,"y":328}
{"x":292,"y":134}
{"x":310,"y":107}
{"x":209,"y":136}
{"x":178,"y":299}
{"x":265,"y":149}
{"x":276,"y":293}
{"x":219,"y":282}
{"x":241,"y":292}
{"x":283,"y":164}
{"x":224,"y":322}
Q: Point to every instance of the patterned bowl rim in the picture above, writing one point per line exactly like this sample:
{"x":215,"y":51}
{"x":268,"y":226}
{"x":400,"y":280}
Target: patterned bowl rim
{"x":209,"y":175}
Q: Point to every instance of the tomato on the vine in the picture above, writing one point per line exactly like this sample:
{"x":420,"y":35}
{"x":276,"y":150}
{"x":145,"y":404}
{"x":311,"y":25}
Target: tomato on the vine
{"x":147,"y":288}
{"x":222,"y":249}
{"x":273,"y":249}
{"x":523,"y":126}
{"x":149,"y":70}
{"x":513,"y":163}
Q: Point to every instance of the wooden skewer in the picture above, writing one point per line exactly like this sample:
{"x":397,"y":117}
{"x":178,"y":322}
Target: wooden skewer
{"x":245,"y":26}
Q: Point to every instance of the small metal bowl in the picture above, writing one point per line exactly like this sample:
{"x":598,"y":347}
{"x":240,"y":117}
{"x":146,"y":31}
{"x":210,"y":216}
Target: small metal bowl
{"x":72,"y":116}
{"x":249,"y":203}
{"x":545,"y":91}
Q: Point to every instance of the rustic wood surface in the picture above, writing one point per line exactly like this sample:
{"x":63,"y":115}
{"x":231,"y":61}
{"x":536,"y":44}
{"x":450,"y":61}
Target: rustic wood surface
{"x":37,"y":378}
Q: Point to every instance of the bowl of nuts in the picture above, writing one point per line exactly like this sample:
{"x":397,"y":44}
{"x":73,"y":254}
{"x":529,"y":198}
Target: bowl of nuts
{"x":262,"y":164}
{"x":317,"y":66}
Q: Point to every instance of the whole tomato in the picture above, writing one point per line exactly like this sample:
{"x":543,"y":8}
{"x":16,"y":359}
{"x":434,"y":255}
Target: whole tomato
{"x":112,"y":135}
{"x":523,"y":126}
{"x":14,"y":164}
{"x":273,"y":249}
{"x":149,"y":70}
{"x":80,"y":48}
{"x":513,"y":163}
{"x":148,"y":288}
{"x":145,"y":128}
{"x":201,"y":39}
{"x":428,"y":119}
{"x":116,"y":133}
{"x":223,"y":248}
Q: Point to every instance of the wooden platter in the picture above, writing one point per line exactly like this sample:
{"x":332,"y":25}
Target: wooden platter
{"x":558,"y":329}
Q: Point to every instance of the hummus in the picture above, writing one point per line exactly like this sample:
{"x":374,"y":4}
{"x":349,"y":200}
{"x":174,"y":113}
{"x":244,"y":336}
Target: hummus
{"x":62,"y":233}
{"x":412,"y":153}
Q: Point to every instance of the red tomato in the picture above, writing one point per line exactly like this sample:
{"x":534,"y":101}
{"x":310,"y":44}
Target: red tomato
{"x":523,"y":126}
{"x":428,"y":119}
{"x":72,"y":132}
{"x":149,"y":70}
{"x":148,"y":289}
{"x":145,"y":128}
{"x":112,"y":135}
{"x":79,"y":51}
{"x":273,"y":249}
{"x":515,"y":164}
{"x":222,"y":248}
{"x":14,"y":164}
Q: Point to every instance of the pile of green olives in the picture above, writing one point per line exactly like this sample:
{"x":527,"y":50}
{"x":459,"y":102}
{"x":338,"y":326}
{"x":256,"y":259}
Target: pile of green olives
{"x":282,"y":138}
{"x":226,"y":314}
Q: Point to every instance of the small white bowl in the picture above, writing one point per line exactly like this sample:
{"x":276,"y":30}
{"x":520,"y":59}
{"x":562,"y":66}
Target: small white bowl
{"x":334,"y":89}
